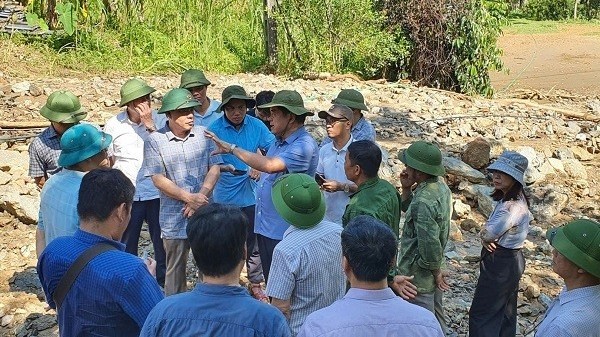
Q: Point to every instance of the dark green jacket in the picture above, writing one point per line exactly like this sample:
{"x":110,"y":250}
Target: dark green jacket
{"x":378,"y":198}
{"x":425,"y":232}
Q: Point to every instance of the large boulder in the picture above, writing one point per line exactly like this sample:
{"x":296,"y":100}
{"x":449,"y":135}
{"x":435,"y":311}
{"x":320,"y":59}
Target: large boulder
{"x":477,"y":153}
{"x":547,"y":201}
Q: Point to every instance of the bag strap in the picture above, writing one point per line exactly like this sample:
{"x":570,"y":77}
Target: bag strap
{"x":65,"y":283}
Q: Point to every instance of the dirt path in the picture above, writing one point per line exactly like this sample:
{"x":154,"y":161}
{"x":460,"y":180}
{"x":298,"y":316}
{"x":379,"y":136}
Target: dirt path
{"x":567,"y":59}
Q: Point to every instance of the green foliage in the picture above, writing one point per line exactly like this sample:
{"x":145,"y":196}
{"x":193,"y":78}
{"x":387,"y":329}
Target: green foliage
{"x":549,"y":9}
{"x":67,"y":15}
{"x":334,"y":35}
{"x":34,"y":20}
{"x":475,"y":49}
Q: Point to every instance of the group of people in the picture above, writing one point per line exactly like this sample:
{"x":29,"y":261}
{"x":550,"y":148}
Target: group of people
{"x":241,"y":183}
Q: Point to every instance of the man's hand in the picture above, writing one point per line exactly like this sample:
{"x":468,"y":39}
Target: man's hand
{"x":489,"y":246}
{"x":151,"y":265}
{"x":254,"y":174}
{"x":222,"y":146}
{"x":402,"y":286}
{"x":332,"y":186}
{"x":193,"y":201}
{"x":440,"y":280}
{"x":145,"y":115}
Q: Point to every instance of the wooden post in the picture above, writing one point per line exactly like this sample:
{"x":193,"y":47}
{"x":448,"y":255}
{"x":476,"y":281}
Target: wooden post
{"x":270,"y":33}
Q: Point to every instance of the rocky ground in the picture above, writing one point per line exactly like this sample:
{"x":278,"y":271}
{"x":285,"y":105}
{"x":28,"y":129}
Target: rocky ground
{"x":558,"y":134}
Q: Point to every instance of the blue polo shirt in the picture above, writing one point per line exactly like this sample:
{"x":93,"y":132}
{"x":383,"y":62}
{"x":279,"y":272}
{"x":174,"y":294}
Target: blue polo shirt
{"x":252,"y":135}
{"x":300,"y":153}
{"x":112,"y":295}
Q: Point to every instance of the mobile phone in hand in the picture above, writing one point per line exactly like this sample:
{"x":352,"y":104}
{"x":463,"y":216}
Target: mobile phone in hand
{"x":319,"y":179}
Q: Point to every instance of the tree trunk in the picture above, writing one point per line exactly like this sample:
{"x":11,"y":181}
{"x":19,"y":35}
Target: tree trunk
{"x":51,"y":17}
{"x":270,"y":32}
{"x":575,"y":10}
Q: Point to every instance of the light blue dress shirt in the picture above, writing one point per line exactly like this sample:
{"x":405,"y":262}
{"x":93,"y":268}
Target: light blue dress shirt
{"x":300,"y":153}
{"x":331,"y":166}
{"x":58,"y":204}
{"x":574,"y":313}
{"x":215,"y":310}
{"x":252,"y":135}
{"x":508,"y":224}
{"x":363,"y":313}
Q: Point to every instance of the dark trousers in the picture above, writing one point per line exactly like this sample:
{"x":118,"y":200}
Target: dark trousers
{"x":266,"y":246}
{"x":148,"y":211}
{"x":494,"y":308}
{"x":253,"y":263}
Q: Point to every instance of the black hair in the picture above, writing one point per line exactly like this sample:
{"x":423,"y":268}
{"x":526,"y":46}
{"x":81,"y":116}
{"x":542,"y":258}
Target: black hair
{"x":367,"y":155}
{"x":102,"y":190}
{"x":514,"y":193}
{"x":370,"y":248}
{"x":217,"y":236}
{"x":264,"y":97}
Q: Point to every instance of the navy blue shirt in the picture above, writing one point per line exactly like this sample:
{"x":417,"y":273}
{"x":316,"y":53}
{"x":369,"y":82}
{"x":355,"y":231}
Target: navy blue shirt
{"x":215,"y":310}
{"x":113,"y":294}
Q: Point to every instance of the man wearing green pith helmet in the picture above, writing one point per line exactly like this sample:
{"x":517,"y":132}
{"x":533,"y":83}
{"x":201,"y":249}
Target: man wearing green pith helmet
{"x":63,"y":110}
{"x":179,"y":159}
{"x":361,"y":128}
{"x":208,"y":111}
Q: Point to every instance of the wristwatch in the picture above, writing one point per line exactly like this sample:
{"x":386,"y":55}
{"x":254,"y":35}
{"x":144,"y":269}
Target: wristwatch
{"x":347,"y":188}
{"x":231,"y":148}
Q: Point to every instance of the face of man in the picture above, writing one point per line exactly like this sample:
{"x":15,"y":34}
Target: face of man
{"x":337,"y":127}
{"x":99,"y":160}
{"x":60,"y":128}
{"x":199,"y":93}
{"x":562,"y":266}
{"x":139,"y":104}
{"x":352,"y":171}
{"x":411,"y":173}
{"x":280,"y":121}
{"x":181,"y":121}
{"x":235,"y":110}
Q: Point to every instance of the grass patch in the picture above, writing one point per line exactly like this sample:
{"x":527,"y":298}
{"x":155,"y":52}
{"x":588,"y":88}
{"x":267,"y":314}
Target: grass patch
{"x":525,"y":26}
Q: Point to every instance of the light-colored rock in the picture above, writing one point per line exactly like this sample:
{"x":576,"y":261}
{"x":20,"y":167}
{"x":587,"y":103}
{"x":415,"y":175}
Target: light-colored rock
{"x":20,"y":87}
{"x":459,"y":168}
{"x":575,"y":169}
{"x":461,"y":209}
{"x":5,"y":178}
{"x":581,"y":154}
{"x":455,"y":233}
{"x":13,"y":159}
{"x":482,"y":194}
{"x":547,"y":201}
{"x":23,"y":207}
{"x":557,"y":164}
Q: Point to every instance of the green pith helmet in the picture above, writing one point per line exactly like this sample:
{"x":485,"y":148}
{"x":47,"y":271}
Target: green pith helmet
{"x":63,"y":107}
{"x":289,"y":99}
{"x":192,"y":78}
{"x":298,"y":199}
{"x":579,"y":242}
{"x":351,"y":98}
{"x":423,"y":156}
{"x":134,"y":89}
{"x":176,"y":99}
{"x":235,"y":92}
{"x":81,"y":142}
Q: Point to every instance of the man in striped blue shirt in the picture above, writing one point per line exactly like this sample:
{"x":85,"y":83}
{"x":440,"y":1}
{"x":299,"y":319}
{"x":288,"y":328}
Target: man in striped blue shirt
{"x":306,"y":274}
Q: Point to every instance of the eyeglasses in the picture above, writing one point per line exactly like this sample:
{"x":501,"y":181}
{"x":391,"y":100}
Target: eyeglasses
{"x":332,"y":121}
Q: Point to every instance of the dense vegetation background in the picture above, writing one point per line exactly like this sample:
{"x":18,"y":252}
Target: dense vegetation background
{"x":449,"y":44}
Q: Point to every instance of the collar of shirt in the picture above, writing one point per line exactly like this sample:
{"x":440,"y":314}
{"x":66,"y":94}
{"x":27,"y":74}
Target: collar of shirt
{"x":52,"y":133}
{"x":208,"y":111}
{"x":424,"y":183}
{"x":171,"y":136}
{"x":567,"y":296}
{"x":92,"y":239}
{"x":360,"y":124}
{"x":291,"y":138}
{"x":124,"y":118}
{"x":370,"y":295}
{"x":367,"y":184}
{"x":344,"y":148}
{"x":219,"y":289}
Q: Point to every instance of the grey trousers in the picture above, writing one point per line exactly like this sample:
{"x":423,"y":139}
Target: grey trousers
{"x":253,"y":263}
{"x":433,"y":302}
{"x":177,"y":251}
